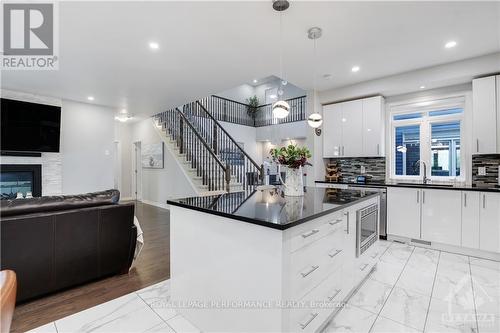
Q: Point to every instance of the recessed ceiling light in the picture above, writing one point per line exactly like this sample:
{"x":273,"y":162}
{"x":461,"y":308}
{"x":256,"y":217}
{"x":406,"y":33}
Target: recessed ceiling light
{"x":450,"y":44}
{"x":90,"y":98}
{"x":355,"y":69}
{"x":422,"y":87}
{"x":255,"y":81}
{"x":123,"y":111}
{"x":154,"y":45}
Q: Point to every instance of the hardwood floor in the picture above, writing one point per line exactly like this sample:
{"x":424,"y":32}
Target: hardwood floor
{"x":152,"y":266}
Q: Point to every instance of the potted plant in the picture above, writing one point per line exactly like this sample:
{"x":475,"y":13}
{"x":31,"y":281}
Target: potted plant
{"x":253,"y":106}
{"x":293,"y":158}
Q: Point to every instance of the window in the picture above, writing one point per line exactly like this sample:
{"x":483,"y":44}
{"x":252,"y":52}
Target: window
{"x":427,"y":132}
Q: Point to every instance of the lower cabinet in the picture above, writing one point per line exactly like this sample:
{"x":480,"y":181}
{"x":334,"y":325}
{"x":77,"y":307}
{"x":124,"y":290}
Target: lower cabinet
{"x":489,"y":222}
{"x":441,"y":216}
{"x":403,"y":211}
{"x":470,"y":219}
{"x":461,"y":218}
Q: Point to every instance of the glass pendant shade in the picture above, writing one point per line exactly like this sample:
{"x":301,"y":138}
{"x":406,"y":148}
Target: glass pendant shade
{"x":281,"y":109}
{"x":315,"y":120}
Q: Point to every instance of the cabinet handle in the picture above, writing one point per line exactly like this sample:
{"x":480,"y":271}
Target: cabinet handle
{"x":310,"y":233}
{"x":465,"y":199}
{"x":362,"y":268}
{"x":378,"y":148}
{"x":337,"y":221}
{"x":418,"y":196}
{"x":347,"y":215}
{"x":423,"y":197}
{"x":337,"y":291}
{"x":333,"y":254}
{"x":477,"y":145}
{"x":312,"y":269}
{"x":312,"y":316}
{"x":343,"y":151}
{"x":484,"y":201}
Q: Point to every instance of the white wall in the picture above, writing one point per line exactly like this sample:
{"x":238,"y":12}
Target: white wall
{"x":158,"y":185}
{"x":87,"y":136}
{"x":239,"y":94}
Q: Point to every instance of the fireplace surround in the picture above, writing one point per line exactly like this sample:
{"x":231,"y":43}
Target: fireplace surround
{"x":22,"y":178}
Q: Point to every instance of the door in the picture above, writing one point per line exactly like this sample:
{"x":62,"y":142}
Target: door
{"x":442,"y":216}
{"x":484,"y":115}
{"x":332,"y":130}
{"x":403,"y":212}
{"x":352,"y":128}
{"x":470,"y":219}
{"x":373,"y":126}
{"x":489,"y":222}
{"x":137,"y":171}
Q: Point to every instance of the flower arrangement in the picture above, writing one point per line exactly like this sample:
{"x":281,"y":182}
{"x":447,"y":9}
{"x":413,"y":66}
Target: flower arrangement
{"x":291,"y":156}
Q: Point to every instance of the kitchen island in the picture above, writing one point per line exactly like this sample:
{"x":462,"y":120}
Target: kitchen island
{"x":264,"y":262}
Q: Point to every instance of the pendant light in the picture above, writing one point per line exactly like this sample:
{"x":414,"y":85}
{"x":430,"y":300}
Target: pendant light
{"x":314,"y":120}
{"x":281,"y":109}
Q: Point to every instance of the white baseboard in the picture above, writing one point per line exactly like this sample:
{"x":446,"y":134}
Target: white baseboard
{"x":127,"y":199}
{"x":156,"y":204}
{"x":449,"y":248}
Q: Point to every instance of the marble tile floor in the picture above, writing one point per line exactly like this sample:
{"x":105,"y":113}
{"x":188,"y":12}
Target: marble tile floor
{"x":412,"y":290}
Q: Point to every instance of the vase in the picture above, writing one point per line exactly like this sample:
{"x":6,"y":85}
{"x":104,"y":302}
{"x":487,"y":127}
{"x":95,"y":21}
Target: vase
{"x":294,"y":183}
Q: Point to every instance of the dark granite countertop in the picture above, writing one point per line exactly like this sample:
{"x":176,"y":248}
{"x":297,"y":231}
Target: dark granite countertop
{"x":271,"y":209}
{"x":461,"y":187}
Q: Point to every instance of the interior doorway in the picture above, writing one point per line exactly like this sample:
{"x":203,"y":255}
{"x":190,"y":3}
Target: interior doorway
{"x":137,"y":171}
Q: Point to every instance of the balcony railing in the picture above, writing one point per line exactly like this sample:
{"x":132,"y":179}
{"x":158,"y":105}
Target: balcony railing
{"x":224,"y":109}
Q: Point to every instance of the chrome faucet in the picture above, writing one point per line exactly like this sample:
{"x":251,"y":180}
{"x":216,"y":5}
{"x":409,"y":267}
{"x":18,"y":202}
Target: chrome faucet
{"x":426,"y":179}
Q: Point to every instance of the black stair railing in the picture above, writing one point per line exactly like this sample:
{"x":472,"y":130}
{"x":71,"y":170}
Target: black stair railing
{"x":213,"y":172}
{"x":243,"y":168}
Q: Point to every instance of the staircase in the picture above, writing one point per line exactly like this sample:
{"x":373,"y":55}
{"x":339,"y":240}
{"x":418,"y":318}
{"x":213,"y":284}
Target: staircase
{"x":215,"y":162}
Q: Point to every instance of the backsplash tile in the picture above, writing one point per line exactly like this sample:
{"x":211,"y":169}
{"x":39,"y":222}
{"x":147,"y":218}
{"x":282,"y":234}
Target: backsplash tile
{"x":351,"y":168}
{"x":491,"y":162}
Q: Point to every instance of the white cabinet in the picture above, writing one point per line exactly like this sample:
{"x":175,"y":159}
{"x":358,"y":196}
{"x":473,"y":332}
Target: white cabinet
{"x":373,"y":126}
{"x":403,"y":212}
{"x":354,"y":128}
{"x":441,"y":216}
{"x":332,"y":133}
{"x":486,"y":114}
{"x":489,"y":222}
{"x":470,"y":219}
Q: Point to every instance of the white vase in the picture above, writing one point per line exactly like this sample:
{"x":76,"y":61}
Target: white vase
{"x":294,"y":183}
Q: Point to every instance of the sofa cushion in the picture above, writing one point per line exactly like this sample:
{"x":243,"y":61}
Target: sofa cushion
{"x":58,"y":202}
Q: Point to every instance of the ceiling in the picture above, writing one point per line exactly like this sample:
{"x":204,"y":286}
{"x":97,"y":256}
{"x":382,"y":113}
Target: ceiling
{"x":208,"y":47}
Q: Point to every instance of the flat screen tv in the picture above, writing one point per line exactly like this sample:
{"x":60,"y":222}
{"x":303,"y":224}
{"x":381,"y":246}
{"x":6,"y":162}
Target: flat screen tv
{"x":29,"y":127}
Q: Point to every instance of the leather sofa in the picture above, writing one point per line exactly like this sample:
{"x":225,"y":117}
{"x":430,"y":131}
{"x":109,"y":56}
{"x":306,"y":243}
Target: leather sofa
{"x":57,"y":242}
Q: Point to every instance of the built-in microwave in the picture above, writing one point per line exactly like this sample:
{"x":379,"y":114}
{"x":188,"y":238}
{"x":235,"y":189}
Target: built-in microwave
{"x":366,"y":228}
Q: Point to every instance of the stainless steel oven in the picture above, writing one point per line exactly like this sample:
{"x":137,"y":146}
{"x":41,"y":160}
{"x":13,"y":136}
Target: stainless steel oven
{"x":366,"y":228}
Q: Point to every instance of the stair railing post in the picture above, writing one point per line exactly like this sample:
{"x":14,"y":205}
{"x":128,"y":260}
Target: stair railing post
{"x":214,"y":140}
{"x":228,"y":177}
{"x":181,"y":132}
{"x":262,"y":174}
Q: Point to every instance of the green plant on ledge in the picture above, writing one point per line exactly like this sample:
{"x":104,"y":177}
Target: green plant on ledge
{"x":291,"y":156}
{"x":253,"y":106}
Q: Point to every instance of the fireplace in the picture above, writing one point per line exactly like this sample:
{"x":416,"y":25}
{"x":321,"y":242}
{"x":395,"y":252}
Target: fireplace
{"x":20,"y":178}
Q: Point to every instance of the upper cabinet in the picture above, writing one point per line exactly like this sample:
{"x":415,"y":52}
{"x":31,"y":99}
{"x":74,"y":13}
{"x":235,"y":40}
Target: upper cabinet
{"x":354,"y":128}
{"x":486,"y":115}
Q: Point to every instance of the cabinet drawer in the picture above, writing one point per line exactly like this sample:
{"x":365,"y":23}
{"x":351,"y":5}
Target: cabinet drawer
{"x":309,"y":233}
{"x":311,"y":264}
{"x":320,"y":303}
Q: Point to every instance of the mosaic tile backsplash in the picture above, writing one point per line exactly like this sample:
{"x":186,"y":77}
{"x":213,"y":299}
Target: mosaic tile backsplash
{"x":351,"y":168}
{"x":490,"y":162}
